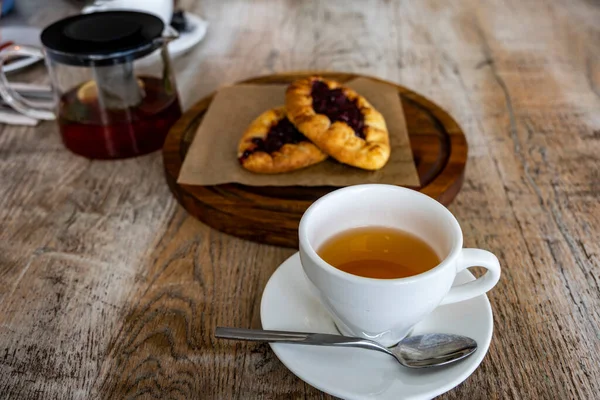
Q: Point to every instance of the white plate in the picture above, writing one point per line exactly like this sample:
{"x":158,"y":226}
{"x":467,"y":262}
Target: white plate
{"x":287,"y":304}
{"x":23,"y":35}
{"x":183,"y":43}
{"x":187,"y":40}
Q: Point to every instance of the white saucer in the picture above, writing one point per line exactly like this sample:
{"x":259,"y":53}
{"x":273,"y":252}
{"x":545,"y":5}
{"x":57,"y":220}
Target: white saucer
{"x":187,"y":40}
{"x":184,"y":43}
{"x":287,"y":304}
{"x":24,"y":35}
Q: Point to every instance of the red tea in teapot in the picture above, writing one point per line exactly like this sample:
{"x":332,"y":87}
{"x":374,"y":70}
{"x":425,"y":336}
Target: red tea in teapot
{"x":91,"y":128}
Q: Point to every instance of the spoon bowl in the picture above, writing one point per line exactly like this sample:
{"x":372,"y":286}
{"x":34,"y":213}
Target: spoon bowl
{"x":433,"y":349}
{"x":421,"y":351}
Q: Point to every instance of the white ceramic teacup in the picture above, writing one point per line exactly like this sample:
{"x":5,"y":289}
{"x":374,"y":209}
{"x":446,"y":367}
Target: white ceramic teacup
{"x":386,"y":310}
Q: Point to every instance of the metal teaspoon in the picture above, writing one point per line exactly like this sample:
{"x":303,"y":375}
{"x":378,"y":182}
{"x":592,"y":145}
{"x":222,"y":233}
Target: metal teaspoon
{"x":421,"y":351}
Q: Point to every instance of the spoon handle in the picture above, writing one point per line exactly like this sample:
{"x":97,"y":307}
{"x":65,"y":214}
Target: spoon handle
{"x":315,"y":339}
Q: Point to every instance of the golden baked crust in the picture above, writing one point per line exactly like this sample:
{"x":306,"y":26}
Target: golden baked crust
{"x":337,"y":138}
{"x":253,"y":149}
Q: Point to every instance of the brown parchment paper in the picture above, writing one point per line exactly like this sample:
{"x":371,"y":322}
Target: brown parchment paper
{"x":212,"y":156}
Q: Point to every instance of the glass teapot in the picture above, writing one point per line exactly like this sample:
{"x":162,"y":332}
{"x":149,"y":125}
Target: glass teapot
{"x":114,"y":91}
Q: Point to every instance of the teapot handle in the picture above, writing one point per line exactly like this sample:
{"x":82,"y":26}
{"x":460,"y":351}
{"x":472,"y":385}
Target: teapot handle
{"x":30,"y":108}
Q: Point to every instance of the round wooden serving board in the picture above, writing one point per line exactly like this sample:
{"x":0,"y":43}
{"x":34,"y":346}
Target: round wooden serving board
{"x":271,"y":214}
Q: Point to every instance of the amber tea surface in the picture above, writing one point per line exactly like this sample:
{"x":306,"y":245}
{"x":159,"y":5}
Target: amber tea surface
{"x":379,"y":252}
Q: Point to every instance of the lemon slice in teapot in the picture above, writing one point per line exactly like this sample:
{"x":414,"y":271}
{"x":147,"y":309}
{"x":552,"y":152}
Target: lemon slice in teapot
{"x":88,"y":92}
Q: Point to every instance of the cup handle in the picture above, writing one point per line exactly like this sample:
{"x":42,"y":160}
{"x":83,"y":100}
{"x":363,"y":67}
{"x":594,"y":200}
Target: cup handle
{"x":15,"y":100}
{"x":474,"y":258}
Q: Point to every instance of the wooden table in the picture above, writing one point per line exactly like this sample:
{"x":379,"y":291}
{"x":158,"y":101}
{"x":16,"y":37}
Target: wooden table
{"x":108,"y":289}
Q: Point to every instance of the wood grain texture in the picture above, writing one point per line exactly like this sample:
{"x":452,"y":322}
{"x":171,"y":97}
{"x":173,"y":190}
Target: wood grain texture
{"x":108,"y":289}
{"x":271,"y":215}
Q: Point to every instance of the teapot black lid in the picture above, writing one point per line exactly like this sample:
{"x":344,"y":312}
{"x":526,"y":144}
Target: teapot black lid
{"x":102,"y":38}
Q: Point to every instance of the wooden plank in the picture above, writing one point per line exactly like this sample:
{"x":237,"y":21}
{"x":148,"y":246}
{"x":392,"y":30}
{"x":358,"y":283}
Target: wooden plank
{"x":109,"y":290}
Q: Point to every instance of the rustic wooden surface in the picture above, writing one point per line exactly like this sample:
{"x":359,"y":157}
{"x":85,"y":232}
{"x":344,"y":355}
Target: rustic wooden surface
{"x":271,"y":215}
{"x":109,"y":290}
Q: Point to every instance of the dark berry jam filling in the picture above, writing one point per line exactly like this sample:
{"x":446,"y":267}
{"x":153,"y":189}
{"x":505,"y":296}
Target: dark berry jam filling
{"x":337,"y":107}
{"x":283,"y":132}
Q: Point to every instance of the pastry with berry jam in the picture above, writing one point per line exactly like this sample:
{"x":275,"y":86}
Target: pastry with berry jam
{"x":339,"y":121}
{"x":272,"y":145}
